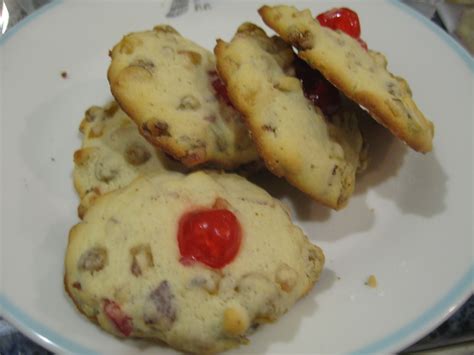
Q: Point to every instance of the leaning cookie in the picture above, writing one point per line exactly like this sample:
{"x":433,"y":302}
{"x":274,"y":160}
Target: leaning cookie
{"x":112,"y":155}
{"x":169,"y":87}
{"x":360,"y":74}
{"x":294,"y":139}
{"x":146,"y":263}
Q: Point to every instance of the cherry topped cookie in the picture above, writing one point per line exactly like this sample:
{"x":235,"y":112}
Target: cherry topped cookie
{"x":196,"y":261}
{"x":169,"y":86}
{"x":332,"y":45}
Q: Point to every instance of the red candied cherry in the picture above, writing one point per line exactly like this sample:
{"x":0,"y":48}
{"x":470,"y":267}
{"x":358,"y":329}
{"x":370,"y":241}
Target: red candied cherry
{"x":211,"y":237}
{"x":121,"y":320}
{"x":317,"y":89}
{"x":343,"y":19}
{"x":219,"y":87}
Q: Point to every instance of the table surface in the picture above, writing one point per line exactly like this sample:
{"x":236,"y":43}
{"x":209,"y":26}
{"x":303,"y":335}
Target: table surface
{"x":459,"y":329}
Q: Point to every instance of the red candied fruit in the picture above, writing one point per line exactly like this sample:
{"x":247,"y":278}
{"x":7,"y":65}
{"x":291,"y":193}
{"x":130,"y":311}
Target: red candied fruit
{"x":317,"y":89}
{"x":211,"y":237}
{"x":343,"y":19}
{"x":219,"y":87}
{"x":121,"y":320}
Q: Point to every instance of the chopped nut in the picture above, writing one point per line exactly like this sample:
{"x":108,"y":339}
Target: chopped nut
{"x":96,"y":131}
{"x":156,"y":129}
{"x":286,"y":277}
{"x":236,"y":320}
{"x":93,"y":259}
{"x":136,"y":154}
{"x":92,"y":113}
{"x":81,"y":156}
{"x":146,"y":64}
{"x":194,"y":57}
{"x":189,"y":102}
{"x":105,"y":172}
{"x":142,"y":259}
{"x":301,"y":40}
{"x":209,"y":282}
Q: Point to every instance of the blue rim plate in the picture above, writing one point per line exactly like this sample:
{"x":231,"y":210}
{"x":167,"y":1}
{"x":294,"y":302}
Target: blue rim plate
{"x":406,"y":332}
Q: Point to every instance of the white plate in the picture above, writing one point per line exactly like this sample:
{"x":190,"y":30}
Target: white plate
{"x":409,"y":223}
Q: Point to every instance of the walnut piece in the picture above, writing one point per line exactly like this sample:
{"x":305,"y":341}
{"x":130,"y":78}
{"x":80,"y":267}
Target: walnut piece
{"x":156,"y":129}
{"x":105,"y":172}
{"x":301,"y":40}
{"x":136,"y":154}
{"x":142,"y":259}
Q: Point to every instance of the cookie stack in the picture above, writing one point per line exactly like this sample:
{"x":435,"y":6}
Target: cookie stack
{"x":173,"y":244}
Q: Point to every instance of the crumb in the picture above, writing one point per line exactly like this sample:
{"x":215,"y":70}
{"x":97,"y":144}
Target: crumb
{"x":371,"y":210}
{"x":371,"y":281}
{"x":64,"y":74}
{"x":338,"y":277}
{"x":52,"y":159}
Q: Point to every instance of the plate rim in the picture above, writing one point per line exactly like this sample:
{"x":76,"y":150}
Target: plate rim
{"x":397,"y":339}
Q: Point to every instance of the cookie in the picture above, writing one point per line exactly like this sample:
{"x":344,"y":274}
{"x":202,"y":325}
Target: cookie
{"x":169,"y":87}
{"x":113,"y":153}
{"x":362,"y":75}
{"x":318,"y":156}
{"x":139,"y":264}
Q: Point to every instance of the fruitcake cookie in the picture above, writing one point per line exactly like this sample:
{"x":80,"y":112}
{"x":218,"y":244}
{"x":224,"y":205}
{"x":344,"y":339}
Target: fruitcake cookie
{"x":196,"y":261}
{"x":318,"y":156}
{"x":170,"y":88}
{"x":361,"y":74}
{"x":113,"y":153}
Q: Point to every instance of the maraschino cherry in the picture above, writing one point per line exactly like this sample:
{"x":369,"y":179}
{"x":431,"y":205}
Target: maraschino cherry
{"x":209,"y":236}
{"x":343,"y":19}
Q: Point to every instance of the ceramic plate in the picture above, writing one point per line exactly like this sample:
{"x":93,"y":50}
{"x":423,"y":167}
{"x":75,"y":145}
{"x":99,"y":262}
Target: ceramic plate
{"x":409,"y":222}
